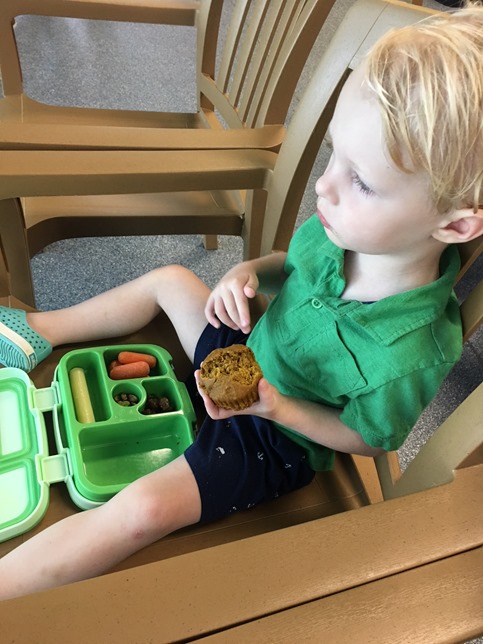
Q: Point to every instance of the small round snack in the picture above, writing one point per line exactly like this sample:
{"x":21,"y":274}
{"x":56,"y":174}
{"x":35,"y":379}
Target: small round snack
{"x":230,"y":377}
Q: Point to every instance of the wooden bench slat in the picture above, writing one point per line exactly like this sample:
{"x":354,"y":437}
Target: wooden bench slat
{"x":203,"y":592}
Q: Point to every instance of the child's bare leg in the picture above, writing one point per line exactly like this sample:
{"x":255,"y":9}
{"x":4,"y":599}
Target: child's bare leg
{"x":129,"y":307}
{"x":89,"y":543}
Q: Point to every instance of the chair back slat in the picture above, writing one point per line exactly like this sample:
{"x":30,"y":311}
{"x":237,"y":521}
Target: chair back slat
{"x":208,"y":21}
{"x":232,"y":41}
{"x":472,"y":311}
{"x":471,"y":299}
{"x":245,"y":58}
{"x":276,"y":29}
{"x":11,"y":70}
{"x":281,"y":72}
{"x":469,"y":253}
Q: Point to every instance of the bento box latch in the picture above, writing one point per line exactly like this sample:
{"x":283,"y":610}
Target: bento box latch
{"x":54,"y":468}
{"x":45,"y":399}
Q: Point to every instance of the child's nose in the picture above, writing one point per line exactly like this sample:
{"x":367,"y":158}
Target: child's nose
{"x":325,"y":187}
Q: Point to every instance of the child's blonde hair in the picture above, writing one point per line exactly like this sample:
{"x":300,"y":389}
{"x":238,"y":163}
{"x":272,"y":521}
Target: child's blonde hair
{"x":428,"y":80}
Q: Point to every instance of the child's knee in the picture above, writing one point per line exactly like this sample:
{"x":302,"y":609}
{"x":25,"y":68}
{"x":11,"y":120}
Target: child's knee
{"x":147,"y":516}
{"x":174,"y":273}
{"x":149,"y":511}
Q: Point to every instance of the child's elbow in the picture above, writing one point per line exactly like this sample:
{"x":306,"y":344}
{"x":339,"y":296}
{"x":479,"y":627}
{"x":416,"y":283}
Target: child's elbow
{"x":367,"y":450}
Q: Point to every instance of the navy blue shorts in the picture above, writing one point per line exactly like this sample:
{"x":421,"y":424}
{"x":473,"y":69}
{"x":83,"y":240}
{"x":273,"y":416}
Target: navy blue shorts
{"x":243,"y":460}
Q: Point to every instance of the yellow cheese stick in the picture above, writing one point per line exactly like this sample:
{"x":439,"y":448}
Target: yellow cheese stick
{"x":80,"y":394}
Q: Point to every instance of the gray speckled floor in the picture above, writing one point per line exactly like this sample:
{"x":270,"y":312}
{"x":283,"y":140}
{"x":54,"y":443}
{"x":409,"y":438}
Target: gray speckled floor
{"x":76,"y":62}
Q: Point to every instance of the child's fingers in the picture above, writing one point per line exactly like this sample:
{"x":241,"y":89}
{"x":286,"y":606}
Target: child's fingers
{"x":215,"y":312}
{"x":250,"y":291}
{"x":235,"y":305}
{"x":210,"y":314}
{"x":243,"y":309}
{"x":223,"y":314}
{"x":228,"y":303}
{"x":219,"y":309}
{"x":214,"y":412}
{"x":242,"y":297}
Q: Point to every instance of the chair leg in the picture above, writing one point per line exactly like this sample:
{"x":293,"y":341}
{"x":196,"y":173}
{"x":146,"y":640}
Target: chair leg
{"x":210,"y":242}
{"x":366,"y":469}
{"x":15,"y":248}
{"x":253,"y":224}
{"x":5,"y":290}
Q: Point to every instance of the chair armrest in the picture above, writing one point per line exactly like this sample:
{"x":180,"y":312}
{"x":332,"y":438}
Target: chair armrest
{"x":31,"y":136}
{"x":451,"y":611}
{"x":460,"y":436}
{"x":162,"y":12}
{"x":28,"y":173}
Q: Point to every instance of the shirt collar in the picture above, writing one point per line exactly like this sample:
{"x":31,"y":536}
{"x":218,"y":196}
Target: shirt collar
{"x":413,"y":309}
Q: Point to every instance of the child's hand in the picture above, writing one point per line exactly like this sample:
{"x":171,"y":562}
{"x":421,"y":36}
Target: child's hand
{"x":269,"y":398}
{"x":228,"y":302}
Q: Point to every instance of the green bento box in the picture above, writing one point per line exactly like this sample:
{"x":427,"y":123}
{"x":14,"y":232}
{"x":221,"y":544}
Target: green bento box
{"x":94,"y":459}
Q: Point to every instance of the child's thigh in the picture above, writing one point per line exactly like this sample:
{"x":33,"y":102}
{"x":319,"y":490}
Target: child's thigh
{"x":184,"y":302}
{"x":243,"y":461}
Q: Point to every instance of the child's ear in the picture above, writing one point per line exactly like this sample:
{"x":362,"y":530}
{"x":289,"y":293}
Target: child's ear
{"x":463,"y":226}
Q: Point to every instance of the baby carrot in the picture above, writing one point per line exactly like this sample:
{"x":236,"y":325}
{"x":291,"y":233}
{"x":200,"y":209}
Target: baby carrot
{"x":138,"y":369}
{"x":126,"y":357}
{"x":112,"y":364}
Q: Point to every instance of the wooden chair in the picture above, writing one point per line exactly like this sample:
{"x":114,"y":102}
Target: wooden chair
{"x":242,"y":103}
{"x":56,"y":203}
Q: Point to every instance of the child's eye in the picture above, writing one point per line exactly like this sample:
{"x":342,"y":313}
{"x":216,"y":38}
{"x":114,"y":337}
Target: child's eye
{"x":362,"y":186}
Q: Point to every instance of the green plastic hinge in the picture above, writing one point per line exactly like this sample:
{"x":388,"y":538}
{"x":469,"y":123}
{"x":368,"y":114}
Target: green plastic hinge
{"x":54,"y":468}
{"x":45,"y":399}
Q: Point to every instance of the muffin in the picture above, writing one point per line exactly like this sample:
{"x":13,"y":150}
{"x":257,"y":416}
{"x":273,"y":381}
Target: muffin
{"x":230,"y":377}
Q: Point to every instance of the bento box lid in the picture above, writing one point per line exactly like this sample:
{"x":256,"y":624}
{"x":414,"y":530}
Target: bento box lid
{"x":26,"y":468}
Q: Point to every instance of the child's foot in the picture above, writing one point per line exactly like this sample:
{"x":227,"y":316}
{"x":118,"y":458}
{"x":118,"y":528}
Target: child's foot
{"x":20,"y":345}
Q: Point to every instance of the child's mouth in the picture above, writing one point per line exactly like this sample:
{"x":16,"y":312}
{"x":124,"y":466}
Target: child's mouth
{"x":322,"y":219}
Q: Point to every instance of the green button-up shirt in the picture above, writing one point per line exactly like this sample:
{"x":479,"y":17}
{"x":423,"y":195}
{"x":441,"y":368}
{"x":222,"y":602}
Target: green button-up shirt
{"x":381,"y":362}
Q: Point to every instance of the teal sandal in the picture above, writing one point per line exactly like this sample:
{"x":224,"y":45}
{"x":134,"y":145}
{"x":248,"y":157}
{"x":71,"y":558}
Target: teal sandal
{"x":20,"y":345}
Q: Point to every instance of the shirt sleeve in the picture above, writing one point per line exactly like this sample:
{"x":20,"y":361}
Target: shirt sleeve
{"x":385,"y":416}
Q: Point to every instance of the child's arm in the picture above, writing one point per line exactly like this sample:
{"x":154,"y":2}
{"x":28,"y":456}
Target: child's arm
{"x":318,"y":422}
{"x":229,"y":300}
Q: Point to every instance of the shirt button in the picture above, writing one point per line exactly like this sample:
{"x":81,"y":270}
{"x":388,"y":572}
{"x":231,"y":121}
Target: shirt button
{"x":316,"y":303}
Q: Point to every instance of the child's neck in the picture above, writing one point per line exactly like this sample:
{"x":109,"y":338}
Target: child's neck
{"x":372,"y":277}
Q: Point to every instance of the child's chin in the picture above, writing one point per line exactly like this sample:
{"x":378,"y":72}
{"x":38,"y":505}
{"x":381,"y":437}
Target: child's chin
{"x":335,"y":239}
